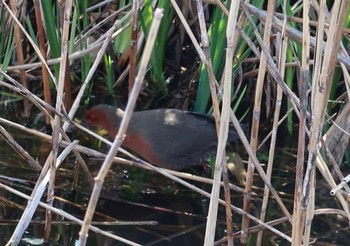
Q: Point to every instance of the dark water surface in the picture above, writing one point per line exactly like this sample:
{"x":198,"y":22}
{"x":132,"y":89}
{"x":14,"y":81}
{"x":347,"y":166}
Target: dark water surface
{"x":169,"y":214}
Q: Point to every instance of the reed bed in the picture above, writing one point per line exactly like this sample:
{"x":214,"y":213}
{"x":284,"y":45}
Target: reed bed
{"x":281,"y":66}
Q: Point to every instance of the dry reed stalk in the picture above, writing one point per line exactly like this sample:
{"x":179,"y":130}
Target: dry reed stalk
{"x":133,"y":43}
{"x":271,"y":66}
{"x":20,"y":56}
{"x":256,"y":117}
{"x":224,"y":125}
{"x":122,"y":129}
{"x":42,"y":46}
{"x":126,"y":72}
{"x":226,"y":181}
{"x":213,"y":85}
{"x":303,"y":87}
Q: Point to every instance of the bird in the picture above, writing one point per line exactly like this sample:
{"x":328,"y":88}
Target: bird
{"x":168,"y":138}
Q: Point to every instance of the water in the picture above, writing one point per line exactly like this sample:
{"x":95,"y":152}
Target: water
{"x":168,"y":213}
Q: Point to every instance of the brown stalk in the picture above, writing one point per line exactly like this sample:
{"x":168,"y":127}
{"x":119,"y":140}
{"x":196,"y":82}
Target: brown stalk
{"x":42,"y":46}
{"x":20,"y":56}
{"x":133,"y":43}
{"x":274,"y":72}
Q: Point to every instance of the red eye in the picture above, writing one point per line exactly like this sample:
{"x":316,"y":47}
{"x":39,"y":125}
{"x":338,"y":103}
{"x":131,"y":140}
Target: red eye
{"x":91,"y":118}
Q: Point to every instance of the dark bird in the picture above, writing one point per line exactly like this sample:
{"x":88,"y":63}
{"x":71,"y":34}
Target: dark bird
{"x":169,"y":138}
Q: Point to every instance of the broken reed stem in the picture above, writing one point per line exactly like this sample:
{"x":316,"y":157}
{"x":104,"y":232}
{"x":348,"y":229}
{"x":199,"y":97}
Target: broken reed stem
{"x":327,"y":175}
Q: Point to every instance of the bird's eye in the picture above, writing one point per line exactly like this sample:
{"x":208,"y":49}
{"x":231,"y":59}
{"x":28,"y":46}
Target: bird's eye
{"x":91,"y":118}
